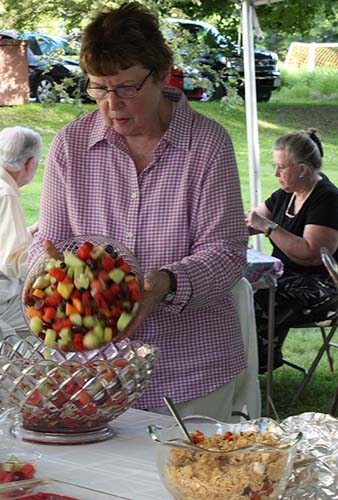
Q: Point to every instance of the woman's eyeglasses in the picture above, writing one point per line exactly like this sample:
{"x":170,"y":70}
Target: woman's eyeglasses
{"x":280,"y":168}
{"x":123,"y":92}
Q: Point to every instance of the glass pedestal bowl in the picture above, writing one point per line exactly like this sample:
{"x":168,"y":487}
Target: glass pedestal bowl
{"x":245,"y":461}
{"x":70,"y":398}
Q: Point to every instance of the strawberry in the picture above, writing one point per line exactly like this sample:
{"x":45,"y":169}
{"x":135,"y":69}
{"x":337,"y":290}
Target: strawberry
{"x":53,"y":300}
{"x":76,"y":294}
{"x":120,"y":363}
{"x":115,"y":311}
{"x":125,"y":267}
{"x":84,"y":398}
{"x":115,"y":289}
{"x":34,"y":399}
{"x":78,"y":342}
{"x":83,"y":252}
{"x":89,"y":245}
{"x":58,"y":274}
{"x":97,"y":285}
{"x":87,"y":311}
{"x":135,"y":295}
{"x":60,"y":323}
{"x":85,"y":296}
{"x":133,"y":284}
{"x":28,"y":470}
{"x":108,"y":263}
{"x":100,"y":300}
{"x":67,"y":280}
{"x":48,"y":314}
{"x":103,"y":276}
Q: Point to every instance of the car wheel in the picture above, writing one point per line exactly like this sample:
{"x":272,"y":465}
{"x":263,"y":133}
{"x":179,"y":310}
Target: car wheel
{"x":263,"y":96}
{"x":44,"y":88}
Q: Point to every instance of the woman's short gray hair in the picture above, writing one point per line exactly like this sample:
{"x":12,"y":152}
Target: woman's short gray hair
{"x":17,"y":145}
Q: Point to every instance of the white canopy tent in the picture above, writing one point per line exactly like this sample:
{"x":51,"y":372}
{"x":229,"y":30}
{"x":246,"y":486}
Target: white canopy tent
{"x":249,"y":22}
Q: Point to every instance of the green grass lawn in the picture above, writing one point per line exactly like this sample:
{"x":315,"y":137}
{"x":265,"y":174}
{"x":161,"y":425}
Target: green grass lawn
{"x":275,"y":118}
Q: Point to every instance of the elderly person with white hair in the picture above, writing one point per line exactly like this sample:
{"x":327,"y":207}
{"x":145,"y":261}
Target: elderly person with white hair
{"x":20,"y":150}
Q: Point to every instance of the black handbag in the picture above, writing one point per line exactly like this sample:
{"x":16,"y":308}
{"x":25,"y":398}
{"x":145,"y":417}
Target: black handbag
{"x":315,"y":294}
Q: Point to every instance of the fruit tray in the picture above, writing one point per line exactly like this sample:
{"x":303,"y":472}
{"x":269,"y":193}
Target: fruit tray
{"x":42,"y":489}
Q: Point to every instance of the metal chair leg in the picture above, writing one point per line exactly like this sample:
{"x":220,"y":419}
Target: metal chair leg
{"x":328,"y":353}
{"x":296,"y":367}
{"x":271,"y":331}
{"x":315,"y":362}
{"x":334,"y":405}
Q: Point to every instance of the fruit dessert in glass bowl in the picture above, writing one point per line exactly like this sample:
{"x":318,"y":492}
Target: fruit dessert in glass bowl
{"x":71,"y":397}
{"x":85,"y":298}
{"x":17,"y":465}
{"x":73,"y":375}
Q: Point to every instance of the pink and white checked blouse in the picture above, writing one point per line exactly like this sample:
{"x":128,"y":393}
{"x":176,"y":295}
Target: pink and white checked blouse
{"x":183,"y":212}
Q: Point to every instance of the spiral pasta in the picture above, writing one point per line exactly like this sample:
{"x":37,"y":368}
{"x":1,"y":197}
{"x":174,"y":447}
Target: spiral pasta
{"x":249,"y":475}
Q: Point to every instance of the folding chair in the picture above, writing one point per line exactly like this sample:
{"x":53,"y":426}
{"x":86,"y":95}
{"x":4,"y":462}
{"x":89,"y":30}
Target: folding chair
{"x":327,"y":328}
{"x":332,"y":267}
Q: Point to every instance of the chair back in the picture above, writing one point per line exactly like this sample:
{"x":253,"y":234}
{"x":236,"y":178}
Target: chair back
{"x":247,"y":395}
{"x":330,"y":263}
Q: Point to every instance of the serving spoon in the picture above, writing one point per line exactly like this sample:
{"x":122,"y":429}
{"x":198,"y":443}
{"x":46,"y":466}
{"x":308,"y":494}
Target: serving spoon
{"x":173,"y":410}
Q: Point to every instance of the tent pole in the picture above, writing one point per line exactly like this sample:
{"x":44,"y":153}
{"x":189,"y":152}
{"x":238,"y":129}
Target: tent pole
{"x":251,"y":110}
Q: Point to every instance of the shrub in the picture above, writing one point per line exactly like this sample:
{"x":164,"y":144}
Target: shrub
{"x":322,"y":83}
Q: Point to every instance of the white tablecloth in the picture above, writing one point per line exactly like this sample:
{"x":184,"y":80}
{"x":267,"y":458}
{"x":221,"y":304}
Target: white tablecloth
{"x":124,"y":465}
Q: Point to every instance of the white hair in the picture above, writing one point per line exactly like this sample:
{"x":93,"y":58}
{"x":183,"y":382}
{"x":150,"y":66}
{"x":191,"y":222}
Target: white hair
{"x":17,"y":145}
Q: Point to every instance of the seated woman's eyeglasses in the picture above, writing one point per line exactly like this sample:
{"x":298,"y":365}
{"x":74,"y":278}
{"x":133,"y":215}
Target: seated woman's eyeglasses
{"x":123,"y":92}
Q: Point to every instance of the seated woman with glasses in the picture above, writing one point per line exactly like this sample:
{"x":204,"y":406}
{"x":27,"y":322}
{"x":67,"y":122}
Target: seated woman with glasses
{"x":149,"y":171}
{"x":299,"y":218}
{"x":20,"y":149}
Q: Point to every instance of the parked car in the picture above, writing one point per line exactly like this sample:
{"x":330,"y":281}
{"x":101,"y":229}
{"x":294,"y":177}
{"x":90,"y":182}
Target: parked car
{"x":45,"y":71}
{"x":53,"y":43}
{"x":220,"y":62}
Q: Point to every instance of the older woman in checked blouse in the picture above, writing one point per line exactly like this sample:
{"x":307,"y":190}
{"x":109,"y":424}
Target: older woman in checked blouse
{"x":149,"y":171}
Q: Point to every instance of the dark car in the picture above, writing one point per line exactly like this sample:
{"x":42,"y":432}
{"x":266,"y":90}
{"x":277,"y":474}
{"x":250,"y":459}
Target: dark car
{"x":45,"y":71}
{"x":218,"y":61}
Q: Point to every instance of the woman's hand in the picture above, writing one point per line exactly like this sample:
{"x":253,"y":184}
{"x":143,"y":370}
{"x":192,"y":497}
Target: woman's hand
{"x":257,"y":222}
{"x":51,"y":250}
{"x":156,"y":286}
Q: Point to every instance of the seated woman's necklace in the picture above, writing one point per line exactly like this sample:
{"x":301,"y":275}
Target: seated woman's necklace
{"x":293,"y":214}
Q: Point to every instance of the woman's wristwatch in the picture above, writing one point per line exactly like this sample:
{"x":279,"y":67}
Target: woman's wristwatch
{"x":272,"y":227}
{"x":172,"y":287}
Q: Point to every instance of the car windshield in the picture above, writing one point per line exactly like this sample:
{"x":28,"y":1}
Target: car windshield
{"x":51,"y":43}
{"x":41,"y":43}
{"x":206,"y":35}
{"x":34,"y":45}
